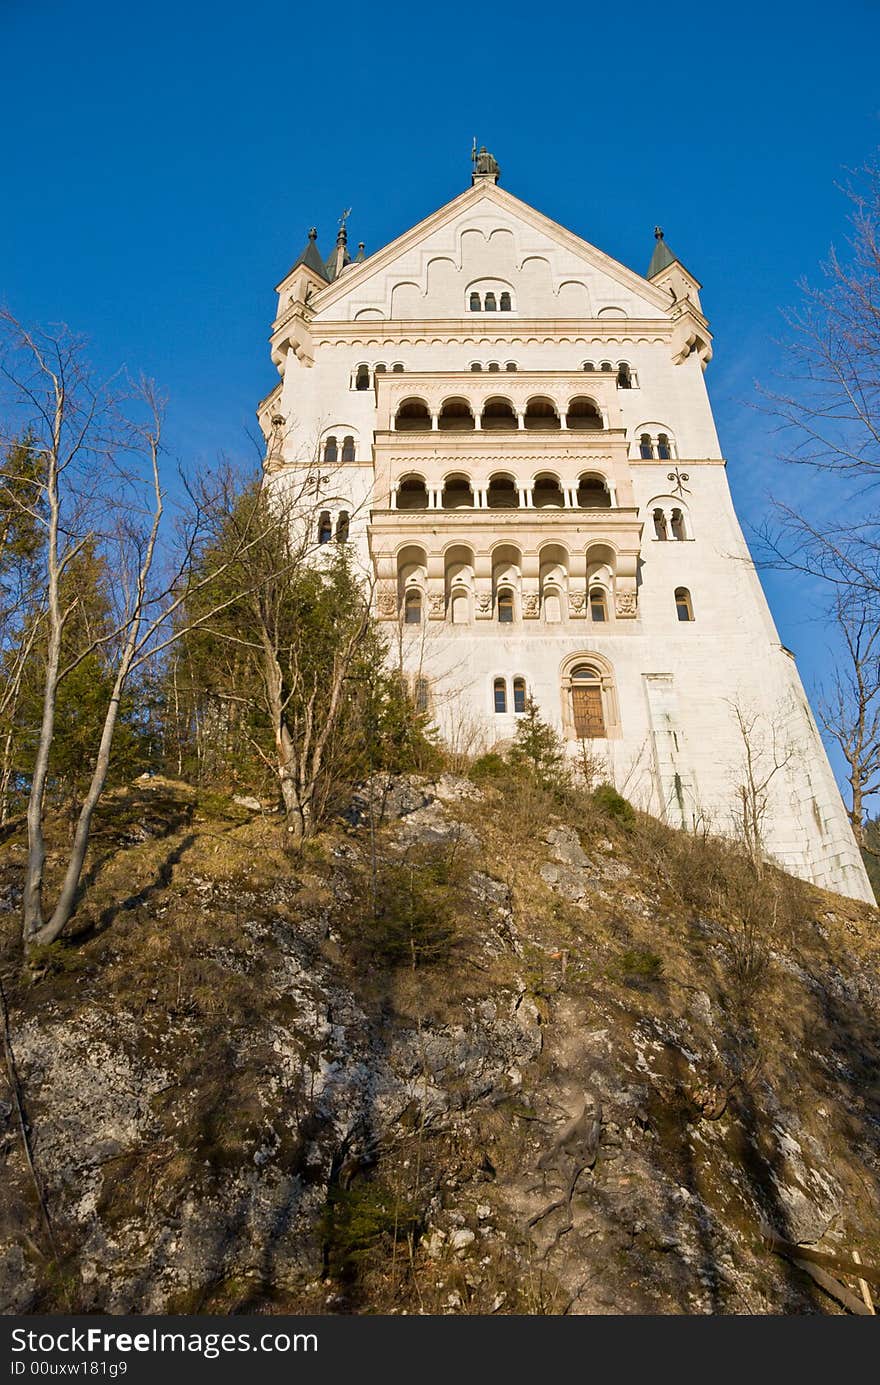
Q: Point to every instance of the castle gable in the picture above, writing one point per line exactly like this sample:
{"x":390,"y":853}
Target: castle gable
{"x":487,"y":251}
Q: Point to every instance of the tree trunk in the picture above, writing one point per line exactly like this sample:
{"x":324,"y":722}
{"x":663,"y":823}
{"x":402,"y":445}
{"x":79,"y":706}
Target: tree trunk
{"x":67,"y":899}
{"x":32,"y":904}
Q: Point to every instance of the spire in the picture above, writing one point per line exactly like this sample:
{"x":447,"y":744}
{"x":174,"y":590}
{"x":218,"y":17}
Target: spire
{"x":662,"y":257}
{"x":311,"y":256}
{"x":485,"y":167}
{"x":340,"y":257}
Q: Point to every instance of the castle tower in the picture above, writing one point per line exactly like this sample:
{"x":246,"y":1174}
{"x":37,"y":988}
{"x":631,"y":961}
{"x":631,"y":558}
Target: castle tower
{"x":512,"y":430}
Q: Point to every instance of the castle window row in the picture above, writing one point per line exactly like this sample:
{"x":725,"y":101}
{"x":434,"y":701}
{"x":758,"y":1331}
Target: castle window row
{"x":457,"y":608}
{"x":657,"y":446}
{"x":364,"y":376}
{"x":333,"y":524}
{"x":493,"y":366}
{"x":626,"y":376}
{"x":456,"y":415}
{"x":332,"y":453}
{"x":545,"y":491}
{"x":501,"y":700}
{"x":670,"y":523}
{"x":490,"y":301}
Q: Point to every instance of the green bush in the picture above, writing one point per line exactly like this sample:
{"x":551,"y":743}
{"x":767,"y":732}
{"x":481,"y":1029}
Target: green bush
{"x":488,"y":767}
{"x":413,"y":916}
{"x":360,"y":1221}
{"x":614,"y":805}
{"x":640,"y":968}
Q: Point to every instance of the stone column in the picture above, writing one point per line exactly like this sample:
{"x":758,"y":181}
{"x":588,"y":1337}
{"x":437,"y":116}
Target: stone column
{"x":434,"y":422}
{"x":521,"y":422}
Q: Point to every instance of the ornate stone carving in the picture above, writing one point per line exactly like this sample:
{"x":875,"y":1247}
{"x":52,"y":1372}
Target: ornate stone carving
{"x":483,"y":604}
{"x":436,"y":606}
{"x":531,"y":605}
{"x":386,"y":603}
{"x":625,"y":604}
{"x":577,"y":603}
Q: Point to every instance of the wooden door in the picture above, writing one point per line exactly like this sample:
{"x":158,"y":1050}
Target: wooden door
{"x":587,"y":706}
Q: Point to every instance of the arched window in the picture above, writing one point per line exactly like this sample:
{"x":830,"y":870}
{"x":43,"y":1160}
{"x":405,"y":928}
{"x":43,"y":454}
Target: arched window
{"x":493,"y":365}
{"x":459,"y":606}
{"x":606,"y":366}
{"x":504,"y":302}
{"x":646,"y":447}
{"x":510,"y":365}
{"x":413,"y":416}
{"x":598,"y":605}
{"x":664,"y":450}
{"x":659,"y":519}
{"x":490,"y":302}
{"x":547,"y":493}
{"x":422,"y":694}
{"x":677,"y":525}
{"x":457,"y":493}
{"x":588,"y":713}
{"x":519,"y":694}
{"x":412,"y":494}
{"x":541,"y":415}
{"x":397,"y":367}
{"x":498,"y":415}
{"x":588,"y":365}
{"x":684,"y":607}
{"x":348,"y":449}
{"x":552,"y":607}
{"x":583,"y":413}
{"x":380,"y":369}
{"x":362,"y":377}
{"x":593,"y":493}
{"x":505,"y":607}
{"x":475,"y":303}
{"x":499,"y":695}
{"x":475,"y":366}
{"x":325,"y":527}
{"x":412,"y":607}
{"x":342,"y":527}
{"x":624,"y":376}
{"x":502,"y":494}
{"x":455,"y":416}
{"x":331,"y":452}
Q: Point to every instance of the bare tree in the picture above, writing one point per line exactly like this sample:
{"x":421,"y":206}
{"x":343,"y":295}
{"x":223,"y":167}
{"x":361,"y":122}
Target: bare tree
{"x":850,"y":710}
{"x":765,"y":752}
{"x":98,"y":486}
{"x":829,"y":414}
{"x":833,"y":414}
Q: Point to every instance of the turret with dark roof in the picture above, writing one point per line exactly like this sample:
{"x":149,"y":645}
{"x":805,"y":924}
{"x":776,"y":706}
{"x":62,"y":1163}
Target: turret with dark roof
{"x":311,"y":256}
{"x":662,"y":257}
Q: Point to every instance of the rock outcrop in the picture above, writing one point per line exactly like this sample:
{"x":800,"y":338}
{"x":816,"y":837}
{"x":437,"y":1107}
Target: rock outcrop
{"x":465,"y":1060}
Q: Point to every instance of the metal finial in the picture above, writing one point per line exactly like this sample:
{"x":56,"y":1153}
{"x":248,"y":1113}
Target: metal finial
{"x":313,"y":233}
{"x":658,"y":232}
{"x":345,"y":215}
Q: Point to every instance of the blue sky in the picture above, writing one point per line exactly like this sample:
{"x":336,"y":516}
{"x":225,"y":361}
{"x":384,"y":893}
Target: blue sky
{"x":162,"y":164}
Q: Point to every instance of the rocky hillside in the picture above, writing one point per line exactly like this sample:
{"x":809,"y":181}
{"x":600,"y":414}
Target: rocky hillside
{"x":492,"y":1054}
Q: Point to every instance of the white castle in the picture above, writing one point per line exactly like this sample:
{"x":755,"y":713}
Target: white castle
{"x":513,"y":432}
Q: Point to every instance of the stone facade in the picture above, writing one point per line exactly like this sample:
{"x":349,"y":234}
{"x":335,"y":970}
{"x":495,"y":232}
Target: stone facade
{"x":513,"y":432}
